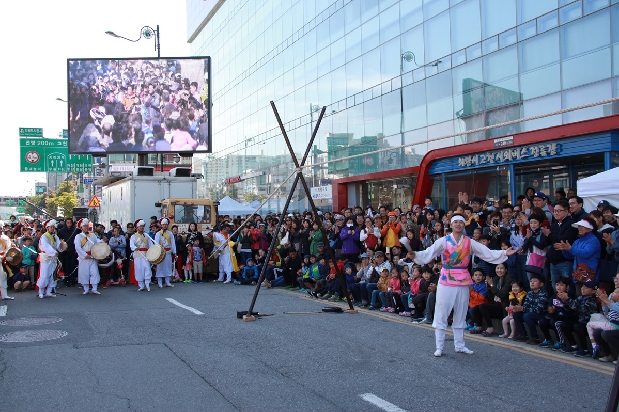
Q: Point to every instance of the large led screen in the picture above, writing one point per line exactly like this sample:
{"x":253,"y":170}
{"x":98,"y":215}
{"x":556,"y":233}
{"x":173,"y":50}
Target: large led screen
{"x":139,"y":105}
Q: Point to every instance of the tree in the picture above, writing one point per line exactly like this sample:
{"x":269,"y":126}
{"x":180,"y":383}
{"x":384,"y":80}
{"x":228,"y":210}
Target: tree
{"x":38,"y":200}
{"x":62,"y":200}
{"x":251,"y":196}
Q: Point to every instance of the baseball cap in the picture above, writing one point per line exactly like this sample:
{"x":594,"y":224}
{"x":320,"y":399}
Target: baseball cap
{"x":364,"y":255}
{"x":603,"y":203}
{"x":541,"y":195}
{"x":591,"y":284}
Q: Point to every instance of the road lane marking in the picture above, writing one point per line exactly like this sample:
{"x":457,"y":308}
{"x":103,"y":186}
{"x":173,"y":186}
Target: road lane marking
{"x":3,"y":310}
{"x":180,"y":305}
{"x":381,"y":403}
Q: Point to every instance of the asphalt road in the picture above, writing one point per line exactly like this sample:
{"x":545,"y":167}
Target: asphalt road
{"x":125,"y":350}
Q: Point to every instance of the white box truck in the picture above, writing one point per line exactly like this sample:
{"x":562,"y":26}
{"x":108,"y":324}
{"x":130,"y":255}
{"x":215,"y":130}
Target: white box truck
{"x":135,"y":197}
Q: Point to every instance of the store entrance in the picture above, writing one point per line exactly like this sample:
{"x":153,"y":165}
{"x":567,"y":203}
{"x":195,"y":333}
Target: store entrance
{"x":390,"y":193}
{"x":549,"y":176}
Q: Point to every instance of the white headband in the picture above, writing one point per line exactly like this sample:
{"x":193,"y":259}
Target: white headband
{"x":457,"y":217}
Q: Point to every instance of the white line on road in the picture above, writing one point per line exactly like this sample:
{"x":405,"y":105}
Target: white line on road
{"x":3,"y":310}
{"x":381,"y":403}
{"x":180,"y":305}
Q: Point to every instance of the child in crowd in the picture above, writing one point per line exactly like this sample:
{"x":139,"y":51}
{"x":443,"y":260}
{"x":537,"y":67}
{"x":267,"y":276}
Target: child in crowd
{"x":610,"y":306}
{"x":21,"y":280}
{"x":382,"y":286}
{"x":304,"y":269}
{"x":414,"y":281}
{"x":535,"y":244}
{"x":423,"y":302}
{"x":249,"y":275}
{"x":532,"y":310}
{"x":336,"y":287}
{"x":327,"y":290}
{"x":312,"y":275}
{"x":488,"y":269}
{"x":471,"y":222}
{"x":198,"y":260}
{"x":387,"y":298}
{"x":29,"y":257}
{"x":516,"y":297}
{"x":584,"y":305}
{"x":607,"y":320}
{"x":350,"y":277}
{"x":558,"y":311}
{"x":401,"y":300}
{"x":478,"y":295}
{"x":407,"y":261}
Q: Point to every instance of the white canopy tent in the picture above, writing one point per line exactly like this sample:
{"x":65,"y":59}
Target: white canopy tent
{"x":602,"y":186}
{"x":229,"y":206}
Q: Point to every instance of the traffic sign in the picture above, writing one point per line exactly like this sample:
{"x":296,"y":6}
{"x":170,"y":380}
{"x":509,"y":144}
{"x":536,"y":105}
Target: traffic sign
{"x":94,"y":202}
{"x":30,"y":132}
{"x":88,"y":180}
{"x":51,"y":155}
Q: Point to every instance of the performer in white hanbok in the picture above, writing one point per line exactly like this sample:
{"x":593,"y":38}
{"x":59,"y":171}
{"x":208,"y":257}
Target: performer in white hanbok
{"x":5,"y":244}
{"x":220,"y":241}
{"x":139,"y":243}
{"x":49,"y":245}
{"x":165,"y":238}
{"x":453,"y":288}
{"x":88,"y":269}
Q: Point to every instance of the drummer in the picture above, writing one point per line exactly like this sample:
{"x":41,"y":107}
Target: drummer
{"x":139,"y":245}
{"x":49,"y":244}
{"x":5,"y":244}
{"x":88,"y":269}
{"x":165,"y":238}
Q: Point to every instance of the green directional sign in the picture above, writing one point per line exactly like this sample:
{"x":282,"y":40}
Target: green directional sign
{"x":51,"y":155}
{"x":30,"y":132}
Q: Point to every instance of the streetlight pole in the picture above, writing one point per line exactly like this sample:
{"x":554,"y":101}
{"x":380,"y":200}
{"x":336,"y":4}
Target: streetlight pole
{"x":147,"y":32}
{"x":313,"y":109}
{"x":409,"y":57}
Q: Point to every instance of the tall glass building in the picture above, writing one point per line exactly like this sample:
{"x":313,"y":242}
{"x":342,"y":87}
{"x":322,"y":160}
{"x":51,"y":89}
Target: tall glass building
{"x":394,"y":73}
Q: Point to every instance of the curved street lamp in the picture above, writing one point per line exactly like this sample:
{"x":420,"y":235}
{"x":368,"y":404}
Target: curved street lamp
{"x":146,"y":32}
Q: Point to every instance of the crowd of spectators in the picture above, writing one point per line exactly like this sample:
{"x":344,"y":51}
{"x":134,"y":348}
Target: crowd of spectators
{"x":563,"y":280}
{"x":136,"y":105}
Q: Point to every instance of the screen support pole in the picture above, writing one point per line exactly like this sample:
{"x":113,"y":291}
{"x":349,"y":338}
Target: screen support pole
{"x":142,"y":160}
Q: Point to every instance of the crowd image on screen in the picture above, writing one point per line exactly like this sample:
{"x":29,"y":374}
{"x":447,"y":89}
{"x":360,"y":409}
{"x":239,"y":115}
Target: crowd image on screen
{"x":119,"y":106}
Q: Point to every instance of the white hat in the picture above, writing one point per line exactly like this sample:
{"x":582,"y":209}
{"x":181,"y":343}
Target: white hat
{"x":83,"y":222}
{"x":108,"y":119}
{"x":139,"y":222}
{"x":164,"y":221}
{"x":583,"y":223}
{"x":50,"y":222}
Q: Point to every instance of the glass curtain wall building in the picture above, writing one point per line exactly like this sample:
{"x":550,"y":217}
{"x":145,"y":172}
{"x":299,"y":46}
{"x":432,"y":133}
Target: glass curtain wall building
{"x":390,"y":73}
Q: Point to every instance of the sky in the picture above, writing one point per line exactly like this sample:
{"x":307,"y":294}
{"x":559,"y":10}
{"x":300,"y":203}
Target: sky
{"x":36,"y":39}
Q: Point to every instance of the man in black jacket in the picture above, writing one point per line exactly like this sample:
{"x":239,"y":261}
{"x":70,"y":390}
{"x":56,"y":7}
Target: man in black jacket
{"x":292,"y":264}
{"x":560,"y":230}
{"x":69,"y":256}
{"x":578,"y":213}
